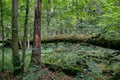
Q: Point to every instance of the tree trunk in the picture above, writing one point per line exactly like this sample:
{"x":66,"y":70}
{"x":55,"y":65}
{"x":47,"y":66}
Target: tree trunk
{"x":96,"y":40}
{"x":35,"y":59}
{"x":28,"y":43}
{"x":48,"y":17}
{"x":77,"y":16}
{"x":1,"y":22}
{"x":25,"y":34}
{"x":15,"y":48}
{"x":77,"y":38}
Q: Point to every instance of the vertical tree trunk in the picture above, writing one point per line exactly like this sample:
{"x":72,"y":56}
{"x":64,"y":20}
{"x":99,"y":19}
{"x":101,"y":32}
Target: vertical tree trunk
{"x":25,"y":34}
{"x":48,"y":17}
{"x":1,"y":22}
{"x":28,"y":42}
{"x":15,"y":48}
{"x":77,"y":17}
{"x":35,"y":59}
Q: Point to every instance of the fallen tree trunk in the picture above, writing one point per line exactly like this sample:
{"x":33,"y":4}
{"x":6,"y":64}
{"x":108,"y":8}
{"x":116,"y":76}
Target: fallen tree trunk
{"x":94,"y":40}
{"x":97,"y":40}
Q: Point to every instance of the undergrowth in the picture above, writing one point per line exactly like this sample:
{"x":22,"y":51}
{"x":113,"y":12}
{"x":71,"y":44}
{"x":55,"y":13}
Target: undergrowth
{"x":70,"y":56}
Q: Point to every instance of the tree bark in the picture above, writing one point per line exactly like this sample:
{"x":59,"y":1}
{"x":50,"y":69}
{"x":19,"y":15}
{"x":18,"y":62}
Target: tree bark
{"x":1,"y":22}
{"x":77,"y":38}
{"x":48,"y":16}
{"x":96,"y":40}
{"x":35,"y":59}
{"x":25,"y":35}
{"x":15,"y":48}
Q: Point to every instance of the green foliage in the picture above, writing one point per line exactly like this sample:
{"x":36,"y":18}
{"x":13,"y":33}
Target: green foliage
{"x":68,"y":56}
{"x":116,"y":76}
{"x":31,"y":74}
{"x":85,"y":16}
{"x":8,"y":59}
{"x":75,"y":56}
{"x":95,"y":16}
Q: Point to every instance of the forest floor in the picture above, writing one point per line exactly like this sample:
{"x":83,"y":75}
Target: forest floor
{"x":47,"y":75}
{"x":88,"y":60}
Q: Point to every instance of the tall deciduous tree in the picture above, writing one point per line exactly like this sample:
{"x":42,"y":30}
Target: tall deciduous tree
{"x":77,"y":16}
{"x":25,"y":34}
{"x":48,"y":16}
{"x":1,"y":22}
{"x":15,"y":48}
{"x":35,"y":59}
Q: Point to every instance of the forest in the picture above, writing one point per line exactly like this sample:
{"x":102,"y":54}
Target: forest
{"x":59,"y":40}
